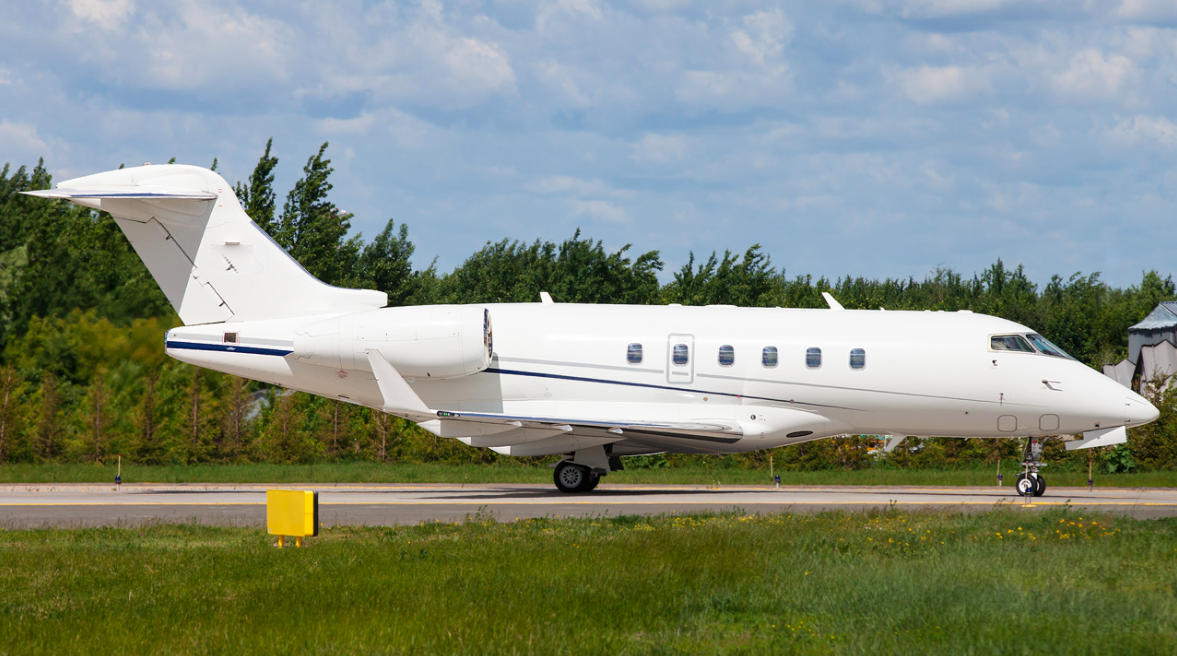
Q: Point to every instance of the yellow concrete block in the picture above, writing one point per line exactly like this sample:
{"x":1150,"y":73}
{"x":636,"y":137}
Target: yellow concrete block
{"x":292,"y":512}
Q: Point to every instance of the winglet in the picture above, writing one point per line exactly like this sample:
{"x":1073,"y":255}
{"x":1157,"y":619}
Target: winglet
{"x":834,"y":304}
{"x":399,"y":398}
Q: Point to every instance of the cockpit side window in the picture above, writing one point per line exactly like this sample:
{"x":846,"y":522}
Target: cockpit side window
{"x":1047,"y":347}
{"x":1010,"y":343}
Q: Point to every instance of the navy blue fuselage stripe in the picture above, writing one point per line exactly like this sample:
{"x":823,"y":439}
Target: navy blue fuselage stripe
{"x":581,"y":379}
{"x":228,"y":348}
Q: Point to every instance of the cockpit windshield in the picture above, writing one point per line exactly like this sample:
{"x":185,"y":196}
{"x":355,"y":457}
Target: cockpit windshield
{"x":1045,"y":345}
{"x":1023,"y":343}
{"x":1010,"y":343}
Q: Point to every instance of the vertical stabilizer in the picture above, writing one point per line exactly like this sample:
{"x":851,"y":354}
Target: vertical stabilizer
{"x":212,"y":262}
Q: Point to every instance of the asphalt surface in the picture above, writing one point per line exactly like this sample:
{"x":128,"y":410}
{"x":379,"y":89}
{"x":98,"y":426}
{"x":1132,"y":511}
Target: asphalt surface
{"x":74,"y":505}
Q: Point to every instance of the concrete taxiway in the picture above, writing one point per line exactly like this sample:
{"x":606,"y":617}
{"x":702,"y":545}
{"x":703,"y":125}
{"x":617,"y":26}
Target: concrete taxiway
{"x":72,"y":505}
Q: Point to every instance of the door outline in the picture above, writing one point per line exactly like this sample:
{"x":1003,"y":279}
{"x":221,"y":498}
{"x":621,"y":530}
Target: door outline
{"x":680,"y":374}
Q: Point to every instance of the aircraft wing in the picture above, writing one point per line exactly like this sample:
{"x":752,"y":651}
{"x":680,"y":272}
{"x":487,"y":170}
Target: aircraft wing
{"x":567,"y":424}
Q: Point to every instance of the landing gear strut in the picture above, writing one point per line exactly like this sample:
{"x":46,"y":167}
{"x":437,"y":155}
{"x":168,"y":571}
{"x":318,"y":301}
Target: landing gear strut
{"x":1030,"y":483}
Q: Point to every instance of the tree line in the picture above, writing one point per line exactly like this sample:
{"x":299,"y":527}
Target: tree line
{"x":83,"y":375}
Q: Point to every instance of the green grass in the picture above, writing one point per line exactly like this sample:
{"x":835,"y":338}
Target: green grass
{"x":367,"y":472}
{"x":1057,"y":582}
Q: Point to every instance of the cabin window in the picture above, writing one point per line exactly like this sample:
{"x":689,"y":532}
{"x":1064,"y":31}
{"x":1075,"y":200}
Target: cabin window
{"x":633,"y":354}
{"x":680,"y":355}
{"x":1047,"y":347}
{"x":727,"y":355}
{"x":768,"y":357}
{"x":813,"y":357}
{"x":857,"y":358}
{"x":230,"y":338}
{"x":1010,"y":343}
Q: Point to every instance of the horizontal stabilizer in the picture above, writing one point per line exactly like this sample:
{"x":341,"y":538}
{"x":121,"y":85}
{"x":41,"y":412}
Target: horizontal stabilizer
{"x":1105,"y":437}
{"x":126,"y":193}
{"x":210,"y":260}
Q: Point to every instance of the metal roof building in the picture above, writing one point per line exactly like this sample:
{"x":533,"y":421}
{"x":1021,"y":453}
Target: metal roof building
{"x":1157,"y":327}
{"x":1152,"y":349}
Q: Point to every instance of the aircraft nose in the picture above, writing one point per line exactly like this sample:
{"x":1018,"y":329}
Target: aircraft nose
{"x":1139,"y":410}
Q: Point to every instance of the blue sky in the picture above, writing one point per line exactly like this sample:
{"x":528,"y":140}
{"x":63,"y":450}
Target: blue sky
{"x":873,"y":137}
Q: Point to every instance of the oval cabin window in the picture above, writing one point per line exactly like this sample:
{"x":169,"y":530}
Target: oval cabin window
{"x":680,"y":355}
{"x":633,"y":354}
{"x":813,"y":357}
{"x":857,"y":358}
{"x":727,"y":355}
{"x":768,"y":357}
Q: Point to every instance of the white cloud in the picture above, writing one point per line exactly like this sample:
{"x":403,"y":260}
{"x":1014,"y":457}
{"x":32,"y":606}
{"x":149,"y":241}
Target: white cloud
{"x":480,"y":66}
{"x":1144,"y":129}
{"x":22,"y":138}
{"x":938,"y":84}
{"x":1146,"y":10}
{"x":764,"y":37}
{"x":661,"y":148}
{"x":473,"y":121}
{"x":358,"y":125}
{"x":600,"y":210}
{"x":107,"y":14}
{"x":568,"y":185}
{"x":1092,"y":75}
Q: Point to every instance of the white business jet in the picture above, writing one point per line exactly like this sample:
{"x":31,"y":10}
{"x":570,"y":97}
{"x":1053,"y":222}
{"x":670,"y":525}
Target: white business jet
{"x":595,"y":382}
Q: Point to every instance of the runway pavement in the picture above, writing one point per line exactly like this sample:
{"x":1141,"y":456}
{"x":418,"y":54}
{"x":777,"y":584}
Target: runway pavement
{"x":72,"y":505}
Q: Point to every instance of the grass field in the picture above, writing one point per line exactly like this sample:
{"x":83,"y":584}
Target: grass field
{"x":1054,"y":583}
{"x":367,"y":472}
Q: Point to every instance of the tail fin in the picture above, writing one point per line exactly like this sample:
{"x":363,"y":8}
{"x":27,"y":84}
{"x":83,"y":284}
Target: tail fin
{"x":212,"y":262}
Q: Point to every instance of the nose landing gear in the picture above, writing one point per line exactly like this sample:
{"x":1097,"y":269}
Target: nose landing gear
{"x":1030,"y":483}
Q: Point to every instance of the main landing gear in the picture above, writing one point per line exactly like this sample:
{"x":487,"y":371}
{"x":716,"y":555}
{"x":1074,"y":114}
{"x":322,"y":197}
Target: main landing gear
{"x":582,"y":472}
{"x":1030,"y":483}
{"x":575,"y":478}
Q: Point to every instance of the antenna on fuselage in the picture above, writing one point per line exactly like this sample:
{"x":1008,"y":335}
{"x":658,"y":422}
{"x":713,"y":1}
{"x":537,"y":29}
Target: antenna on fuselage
{"x":834,"y":304}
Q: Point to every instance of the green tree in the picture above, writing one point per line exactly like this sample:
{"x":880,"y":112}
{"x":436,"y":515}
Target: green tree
{"x":313,"y":230}
{"x":257,"y":198}
{"x":386,"y":265}
{"x":11,"y":391}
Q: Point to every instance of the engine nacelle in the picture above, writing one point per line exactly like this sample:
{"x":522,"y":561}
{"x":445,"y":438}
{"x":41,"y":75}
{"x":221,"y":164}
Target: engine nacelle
{"x":427,"y":341}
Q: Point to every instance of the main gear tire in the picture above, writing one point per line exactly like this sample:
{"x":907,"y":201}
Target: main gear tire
{"x":571,"y":478}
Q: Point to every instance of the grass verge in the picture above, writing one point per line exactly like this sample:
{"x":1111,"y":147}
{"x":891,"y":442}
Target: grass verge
{"x":368,"y":472}
{"x":1058,"y":582}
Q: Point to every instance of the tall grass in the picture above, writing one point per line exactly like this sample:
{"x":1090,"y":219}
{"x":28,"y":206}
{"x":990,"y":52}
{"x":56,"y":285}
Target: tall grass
{"x":892,"y":583}
{"x":369,"y":472}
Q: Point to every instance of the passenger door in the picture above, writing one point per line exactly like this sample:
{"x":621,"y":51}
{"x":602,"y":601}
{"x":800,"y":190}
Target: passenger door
{"x":680,"y":359}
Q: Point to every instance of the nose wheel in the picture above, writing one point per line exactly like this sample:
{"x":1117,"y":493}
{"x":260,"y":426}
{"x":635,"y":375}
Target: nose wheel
{"x":1030,"y":483}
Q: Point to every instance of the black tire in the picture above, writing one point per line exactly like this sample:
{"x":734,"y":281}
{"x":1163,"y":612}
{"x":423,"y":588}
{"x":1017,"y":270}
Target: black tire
{"x":1025,"y":484}
{"x":1039,"y":485}
{"x":571,"y":478}
{"x":594,"y":481}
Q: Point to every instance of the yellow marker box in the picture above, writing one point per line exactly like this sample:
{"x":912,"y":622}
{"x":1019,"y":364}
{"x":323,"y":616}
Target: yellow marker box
{"x":292,"y":512}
